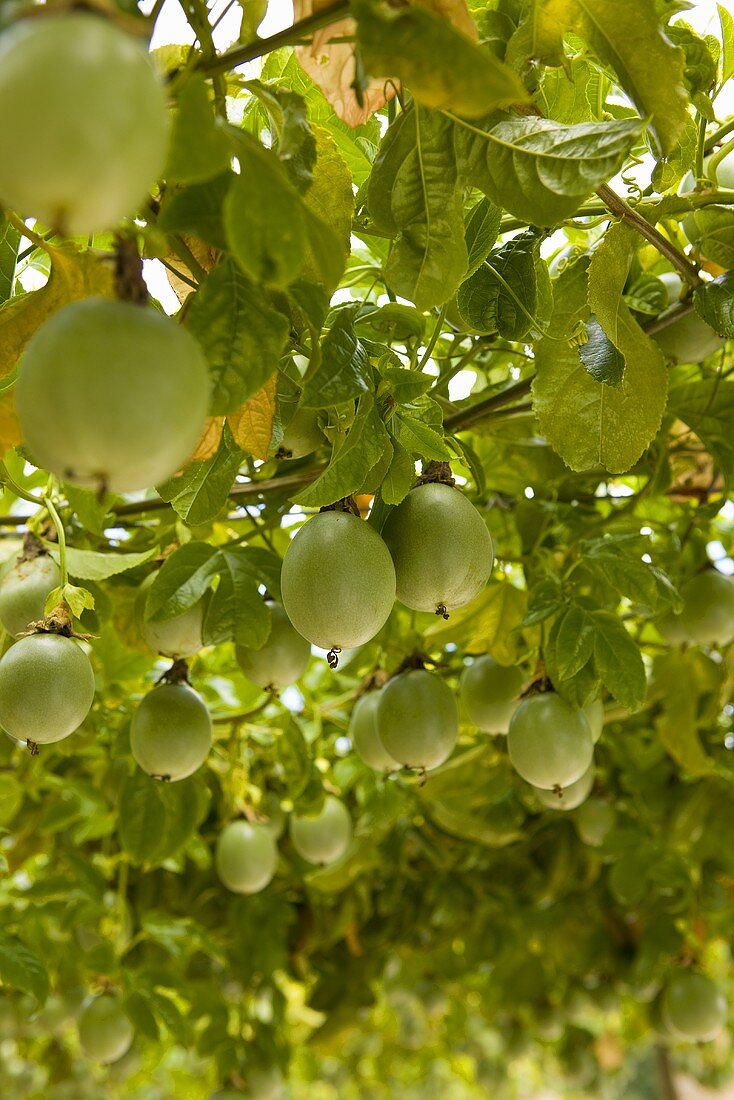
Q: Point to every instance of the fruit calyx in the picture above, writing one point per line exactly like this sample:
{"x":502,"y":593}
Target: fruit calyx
{"x":414,"y":662}
{"x":178,"y":673}
{"x":436,"y":472}
{"x":32,"y":548}
{"x":346,"y":504}
{"x":58,"y":621}
{"x":373,"y":681}
{"x":540,"y":683}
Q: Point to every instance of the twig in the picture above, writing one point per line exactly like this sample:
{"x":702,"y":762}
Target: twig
{"x":622,"y":209}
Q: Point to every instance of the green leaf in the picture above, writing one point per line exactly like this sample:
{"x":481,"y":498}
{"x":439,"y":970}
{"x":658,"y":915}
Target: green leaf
{"x":441,"y":66}
{"x":90,"y":565}
{"x":419,"y":438}
{"x":200,"y":147}
{"x":242,"y":335}
{"x":501,"y":295}
{"x":293,"y":756}
{"x":350,"y":465}
{"x":78,"y":599}
{"x":714,"y":302}
{"x":199,"y":210}
{"x":573,"y":637}
{"x":700,"y":69}
{"x":618,"y":660}
{"x":676,"y":683}
{"x":141,"y":818}
{"x":263,"y":218}
{"x":185,"y":804}
{"x":714,"y":234}
{"x":541,"y":171}
{"x":200,"y":493}
{"x":295,"y":141}
{"x":482,"y":229}
{"x":603,"y":361}
{"x":400,"y":476}
{"x":708,"y":410}
{"x":328,"y":208}
{"x":618,"y":562}
{"x":487,"y":624}
{"x":344,"y":371}
{"x":9,"y":242}
{"x":21,"y":968}
{"x":181,"y":581}
{"x":237,"y":611}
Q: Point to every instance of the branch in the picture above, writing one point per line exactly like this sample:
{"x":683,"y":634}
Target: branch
{"x":667,"y":1091}
{"x":622,"y":209}
{"x":464,"y":418}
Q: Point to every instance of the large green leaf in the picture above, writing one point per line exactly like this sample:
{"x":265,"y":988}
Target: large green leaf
{"x":350,"y":465}
{"x":200,"y":147}
{"x":21,"y":968}
{"x":202,"y":490}
{"x":501,"y":295}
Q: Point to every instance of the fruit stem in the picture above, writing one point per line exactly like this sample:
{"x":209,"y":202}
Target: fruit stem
{"x":716,"y":159}
{"x":61,"y":537}
{"x":35,"y":238}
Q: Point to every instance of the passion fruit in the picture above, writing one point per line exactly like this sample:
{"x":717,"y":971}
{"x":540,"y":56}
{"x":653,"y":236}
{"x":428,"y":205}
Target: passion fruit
{"x":246,"y":857}
{"x":24,"y":590}
{"x":325,"y":837}
{"x":549,"y":741}
{"x":171,"y":732}
{"x":338,"y":581}
{"x":177,"y":638}
{"x":489,"y":693}
{"x":85,"y":125}
{"x":105,"y":1032}
{"x":364,"y":737}
{"x":111,"y":395}
{"x":571,"y":796}
{"x":282,"y":660}
{"x":302,"y":436}
{"x":417,"y":719}
{"x":688,"y":339}
{"x":707,"y":616}
{"x":594,"y":821}
{"x":46,"y":688}
{"x":441,"y":548}
{"x":594,"y":711}
{"x":693,"y":1007}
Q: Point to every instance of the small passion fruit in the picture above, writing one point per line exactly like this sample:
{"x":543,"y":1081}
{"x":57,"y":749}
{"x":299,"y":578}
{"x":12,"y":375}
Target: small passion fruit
{"x":24,"y":590}
{"x":171,"y":732}
{"x":549,"y":741}
{"x":325,"y":837}
{"x":105,"y":1032}
{"x":46,"y":688}
{"x":489,"y":694}
{"x":417,"y":719}
{"x":246,"y":857}
{"x":282,"y":660}
{"x":364,"y":736}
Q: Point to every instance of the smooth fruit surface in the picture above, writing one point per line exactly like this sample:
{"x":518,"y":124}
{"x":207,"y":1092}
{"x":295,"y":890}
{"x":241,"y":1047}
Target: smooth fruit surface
{"x":176,"y":638}
{"x":594,"y":821}
{"x":46,"y":688}
{"x":112,"y":395}
{"x":441,"y":548}
{"x":303,"y":435}
{"x":104,"y":1030}
{"x":489,"y":692}
{"x":283,"y":658}
{"x":571,"y":796}
{"x":24,"y":590}
{"x":549,"y":742}
{"x":688,"y":339}
{"x":338,"y":581}
{"x":246,"y":857}
{"x":325,"y":837}
{"x":707,"y":617}
{"x":364,"y":736}
{"x":417,"y":719}
{"x":85,"y":125}
{"x":171,"y":732}
{"x":693,"y":1006}
{"x":594,"y":712}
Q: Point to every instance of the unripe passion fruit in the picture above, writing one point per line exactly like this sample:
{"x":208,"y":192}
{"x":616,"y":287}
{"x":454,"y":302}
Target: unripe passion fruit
{"x":246,"y":858}
{"x":177,"y":638}
{"x":104,"y":1030}
{"x":364,"y":737}
{"x":112,"y":395}
{"x":441,"y":548}
{"x":171,"y":732}
{"x":324,"y":838}
{"x":46,"y":688}
{"x":594,"y":821}
{"x":688,"y":339}
{"x":417,"y":719}
{"x":549,"y":742}
{"x":24,"y":590}
{"x":85,"y":127}
{"x":488,"y":693}
{"x":693,"y":1007}
{"x":283,"y":658}
{"x":303,"y":435}
{"x":571,"y":796}
{"x":707,"y":616}
{"x":594,"y":711}
{"x":338,"y":581}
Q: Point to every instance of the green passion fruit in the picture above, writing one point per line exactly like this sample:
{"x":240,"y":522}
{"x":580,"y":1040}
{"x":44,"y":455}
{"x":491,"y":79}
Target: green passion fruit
{"x":283,"y":658}
{"x":489,"y":694}
{"x":693,"y":1007}
{"x":177,"y":638}
{"x":105,"y":1032}
{"x":441,"y":548}
{"x":338,"y":581}
{"x":171,"y":732}
{"x":549,"y":742}
{"x":23,"y":592}
{"x":688,"y":339}
{"x":594,"y":821}
{"x":85,"y":125}
{"x":571,"y":796}
{"x":46,"y":688}
{"x":594,"y":711}
{"x":325,"y":837}
{"x":364,"y":736}
{"x":417,"y":719}
{"x":303,"y":435}
{"x":246,"y":857}
{"x":707,"y":615}
{"x":111,"y":395}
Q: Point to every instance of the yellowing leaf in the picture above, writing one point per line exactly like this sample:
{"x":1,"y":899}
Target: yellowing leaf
{"x":9,"y":427}
{"x":331,"y":199}
{"x":252,"y":424}
{"x":74,"y":275}
{"x":487,"y":624}
{"x":209,"y":443}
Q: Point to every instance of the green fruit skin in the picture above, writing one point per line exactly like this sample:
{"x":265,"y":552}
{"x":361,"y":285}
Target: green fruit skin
{"x":688,"y":340}
{"x":441,"y":548}
{"x":488,"y":693}
{"x":85,"y":125}
{"x":303,"y":435}
{"x":246,"y":857}
{"x":24,"y":590}
{"x":594,"y":821}
{"x":571,"y":796}
{"x":594,"y":711}
{"x":673,"y":283}
{"x":338,"y":581}
{"x":112,"y":395}
{"x":693,"y":1007}
{"x":364,"y":736}
{"x":171,"y":732}
{"x":707,"y":617}
{"x":105,"y":1032}
{"x":46,"y":688}
{"x":324,"y":838}
{"x":282,"y":660}
{"x":417,"y":719}
{"x":549,"y":742}
{"x":177,"y":638}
